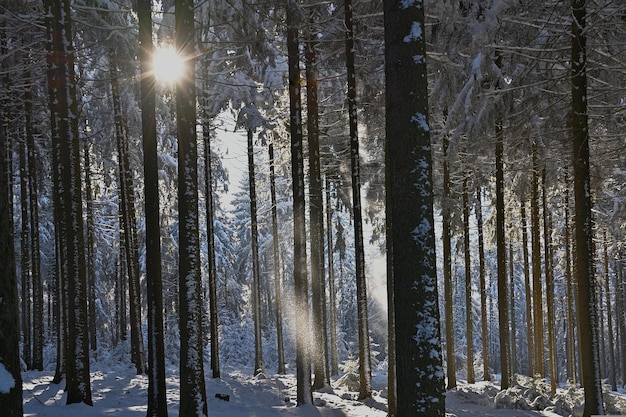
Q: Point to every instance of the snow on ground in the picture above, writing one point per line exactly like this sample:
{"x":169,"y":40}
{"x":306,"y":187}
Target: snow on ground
{"x":118,"y":392}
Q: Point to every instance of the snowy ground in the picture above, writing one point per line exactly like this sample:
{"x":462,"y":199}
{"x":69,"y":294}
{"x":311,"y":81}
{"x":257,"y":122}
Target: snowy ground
{"x":118,"y":392}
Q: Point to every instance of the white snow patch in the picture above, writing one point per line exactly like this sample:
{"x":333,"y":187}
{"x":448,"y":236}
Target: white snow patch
{"x":7,"y":382}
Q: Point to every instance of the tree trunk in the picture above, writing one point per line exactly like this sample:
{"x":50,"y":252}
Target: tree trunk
{"x":64,"y":106}
{"x":483,"y":287}
{"x":332,"y":309}
{"x":157,"y":395}
{"x":256,"y":274}
{"x":210,"y":231}
{"x":503,"y":294}
{"x":419,"y":371}
{"x":536,"y":267}
{"x":528,"y":290}
{"x":25,"y":256}
{"x":303,"y":374}
{"x":583,"y":224}
{"x":569,"y":282}
{"x":547,"y":229}
{"x":609,"y":317}
{"x":277,"y":277}
{"x":513,"y":343}
{"x":11,"y":401}
{"x":447,"y":268}
{"x":35,"y":264}
{"x":89,"y":225}
{"x":319,"y":351}
{"x":469,"y":320}
{"x":365,"y":367}
{"x":192,"y":387}
{"x":127,"y":216}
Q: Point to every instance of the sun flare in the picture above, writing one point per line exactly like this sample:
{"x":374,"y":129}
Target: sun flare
{"x":167,"y":65}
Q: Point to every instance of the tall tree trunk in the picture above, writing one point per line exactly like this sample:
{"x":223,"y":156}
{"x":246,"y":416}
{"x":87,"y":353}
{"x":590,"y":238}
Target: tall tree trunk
{"x":319,"y":351}
{"x":547,"y":229}
{"x":583,"y":224}
{"x":569,"y":282}
{"x":127,"y":207}
{"x":419,"y":371}
{"x":513,"y":343}
{"x":157,"y":399}
{"x":33,"y":203}
{"x":256,"y":273}
{"x":332,"y":308}
{"x":25,"y":255}
{"x":303,"y":374}
{"x":528,"y":290}
{"x":483,"y":286}
{"x":280,"y":348}
{"x":64,"y":106}
{"x":609,"y":316}
{"x":536,"y":267}
{"x":447,"y":268}
{"x":210,"y":231}
{"x":60,"y":301}
{"x":89,"y":226}
{"x":503,"y":294}
{"x":192,"y":387}
{"x":365,"y":367}
{"x":469,"y":320}
{"x":11,"y":401}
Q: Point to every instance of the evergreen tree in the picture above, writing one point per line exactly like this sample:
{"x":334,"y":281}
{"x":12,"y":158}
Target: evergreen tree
{"x":419,"y":373}
{"x":192,"y":386}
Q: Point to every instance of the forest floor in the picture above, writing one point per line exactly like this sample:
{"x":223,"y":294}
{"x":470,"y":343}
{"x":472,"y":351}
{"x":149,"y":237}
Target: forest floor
{"x":118,"y":392}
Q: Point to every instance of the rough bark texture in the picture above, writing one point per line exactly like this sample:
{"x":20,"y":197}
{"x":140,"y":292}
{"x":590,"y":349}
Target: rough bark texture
{"x":256,"y":273}
{"x":280,"y":348}
{"x":483,"y":286}
{"x":64,"y":108}
{"x":11,"y":402}
{"x":528,"y":290}
{"x":332,"y":308}
{"x":157,"y":400}
{"x":419,"y":372}
{"x":587,"y":309}
{"x":469,"y":320}
{"x":503,"y":293}
{"x":303,"y":374}
{"x":129,"y":225}
{"x":192,"y":387}
{"x":365,"y":367}
{"x":447,"y":269}
{"x":210,"y":231}
{"x":319,"y":352}
{"x":536,"y":268}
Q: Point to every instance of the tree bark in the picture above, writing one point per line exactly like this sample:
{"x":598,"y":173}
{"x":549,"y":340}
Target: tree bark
{"x":583,"y":223}
{"x":332,"y":309}
{"x":528,"y":290}
{"x":469,"y":320}
{"x":127,"y":216}
{"x":419,"y":371}
{"x":536,"y":267}
{"x":503,"y":293}
{"x":64,"y":107}
{"x":365,"y":366}
{"x":483,"y":286}
{"x":10,"y":402}
{"x":447,"y":268}
{"x":256,"y":274}
{"x":280,"y":348}
{"x":157,"y":395}
{"x":192,"y":387}
{"x":319,"y":352}
{"x":303,"y":374}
